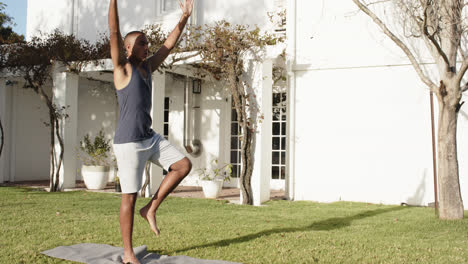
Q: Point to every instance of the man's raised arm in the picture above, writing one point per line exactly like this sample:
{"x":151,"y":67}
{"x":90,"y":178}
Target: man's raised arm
{"x":171,"y":40}
{"x":116,"y":42}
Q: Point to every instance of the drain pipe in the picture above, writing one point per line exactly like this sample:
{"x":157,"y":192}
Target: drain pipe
{"x":190,"y":146}
{"x":291,"y":95}
{"x":434,"y":155}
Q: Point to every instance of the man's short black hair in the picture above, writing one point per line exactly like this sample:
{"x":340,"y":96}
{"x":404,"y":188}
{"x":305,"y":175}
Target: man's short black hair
{"x":130,"y":34}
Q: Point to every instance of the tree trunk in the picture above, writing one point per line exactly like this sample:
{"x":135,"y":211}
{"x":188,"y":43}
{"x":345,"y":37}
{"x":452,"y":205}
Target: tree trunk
{"x":450,"y":201}
{"x":240,"y":98}
{"x":59,"y":163}
{"x":247,"y":169}
{"x":51,"y":149}
{"x":54,"y":128}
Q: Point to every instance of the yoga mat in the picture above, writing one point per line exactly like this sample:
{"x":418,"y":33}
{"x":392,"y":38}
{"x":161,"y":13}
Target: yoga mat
{"x":105,"y":254}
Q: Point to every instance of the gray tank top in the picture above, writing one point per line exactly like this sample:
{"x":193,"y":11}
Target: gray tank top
{"x":134,"y":122}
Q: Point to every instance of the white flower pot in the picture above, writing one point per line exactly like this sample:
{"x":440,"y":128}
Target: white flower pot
{"x":95,"y":177}
{"x":212,"y":189}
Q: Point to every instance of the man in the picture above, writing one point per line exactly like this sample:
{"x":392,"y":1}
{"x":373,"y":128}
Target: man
{"x":135,"y":142}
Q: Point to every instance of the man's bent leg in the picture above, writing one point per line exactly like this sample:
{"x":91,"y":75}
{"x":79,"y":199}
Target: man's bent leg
{"x":127,"y":209}
{"x":177,"y":173}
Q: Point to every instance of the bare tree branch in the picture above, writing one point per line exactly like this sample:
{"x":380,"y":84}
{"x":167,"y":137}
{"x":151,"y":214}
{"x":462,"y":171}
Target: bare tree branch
{"x":174,"y":60}
{"x":432,"y":38}
{"x":462,"y":70}
{"x":464,"y":88}
{"x":400,"y":44}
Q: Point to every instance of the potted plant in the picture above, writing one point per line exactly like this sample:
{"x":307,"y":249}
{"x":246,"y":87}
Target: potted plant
{"x":95,"y":169}
{"x":117,"y":184}
{"x":213,"y":177}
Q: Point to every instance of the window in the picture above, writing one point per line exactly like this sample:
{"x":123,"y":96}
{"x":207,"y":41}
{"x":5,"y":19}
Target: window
{"x":278,"y":168}
{"x":235,"y":144}
{"x":167,"y":9}
{"x":169,"y":5}
{"x":166,"y":118}
{"x":166,"y":122}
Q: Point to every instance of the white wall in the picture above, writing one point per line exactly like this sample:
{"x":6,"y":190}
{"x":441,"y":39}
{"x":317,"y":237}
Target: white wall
{"x":97,"y":109}
{"x":363,"y":129}
{"x":363,"y":135}
{"x":92,"y":18}
{"x":210,"y":122}
{"x":88,"y":18}
{"x":46,"y":15}
{"x":332,"y":35}
{"x":29,"y":156}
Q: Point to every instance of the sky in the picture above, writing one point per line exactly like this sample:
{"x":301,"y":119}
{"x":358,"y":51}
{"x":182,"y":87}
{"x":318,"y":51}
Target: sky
{"x":17,"y":10}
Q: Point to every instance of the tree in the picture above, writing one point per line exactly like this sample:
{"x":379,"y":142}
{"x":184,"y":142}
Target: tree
{"x":441,"y":26}
{"x":34,"y":61}
{"x":7,"y":36}
{"x":223,"y":48}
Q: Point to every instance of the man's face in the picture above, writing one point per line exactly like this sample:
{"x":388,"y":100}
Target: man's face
{"x":140,"y":50}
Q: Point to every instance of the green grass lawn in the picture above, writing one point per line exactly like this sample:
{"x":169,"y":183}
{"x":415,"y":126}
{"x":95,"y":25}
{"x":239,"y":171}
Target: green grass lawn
{"x":32,"y":221}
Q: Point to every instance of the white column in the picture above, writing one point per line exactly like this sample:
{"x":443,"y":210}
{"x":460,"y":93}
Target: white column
{"x":157,"y":114}
{"x":291,"y":100}
{"x":262,"y":168}
{"x":65,"y":92}
{"x":3,"y":117}
{"x":7,"y":102}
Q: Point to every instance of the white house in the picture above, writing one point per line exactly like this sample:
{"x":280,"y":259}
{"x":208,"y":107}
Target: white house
{"x":352,"y":122}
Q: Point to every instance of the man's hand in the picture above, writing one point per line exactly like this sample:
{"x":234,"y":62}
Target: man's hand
{"x":157,"y":59}
{"x":187,"y":8}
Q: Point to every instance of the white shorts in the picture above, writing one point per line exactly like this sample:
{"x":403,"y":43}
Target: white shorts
{"x":132,"y":158}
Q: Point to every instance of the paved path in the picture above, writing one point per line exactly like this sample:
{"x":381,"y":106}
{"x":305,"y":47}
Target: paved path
{"x":230,"y":194}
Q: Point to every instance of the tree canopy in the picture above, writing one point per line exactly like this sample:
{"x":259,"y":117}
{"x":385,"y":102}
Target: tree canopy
{"x":7,"y":35}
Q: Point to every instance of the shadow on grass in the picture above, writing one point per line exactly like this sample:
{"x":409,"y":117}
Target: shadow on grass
{"x":324,"y":225}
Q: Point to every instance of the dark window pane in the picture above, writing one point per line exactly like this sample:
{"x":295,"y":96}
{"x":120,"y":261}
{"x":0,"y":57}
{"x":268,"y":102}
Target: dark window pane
{"x":283,"y":143}
{"x":275,"y":172}
{"x":283,"y":128}
{"x":283,"y":97}
{"x":276,"y":143}
{"x":283,"y":114}
{"x":166,"y":116}
{"x":235,"y":171}
{"x":283,"y":173}
{"x":233,"y":115}
{"x":166,"y":103}
{"x":234,"y":129}
{"x":275,"y":159}
{"x":283,"y":157}
{"x":233,"y":156}
{"x":276,"y":114}
{"x":276,"y":129}
{"x":234,"y":142}
{"x":276,"y":99}
{"x":166,"y":129}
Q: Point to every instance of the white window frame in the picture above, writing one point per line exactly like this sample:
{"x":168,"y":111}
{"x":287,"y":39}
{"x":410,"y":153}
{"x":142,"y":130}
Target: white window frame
{"x":167,"y":15}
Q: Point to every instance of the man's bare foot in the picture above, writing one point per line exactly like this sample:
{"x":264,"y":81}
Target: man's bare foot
{"x":151,"y":218}
{"x":130,"y":258}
